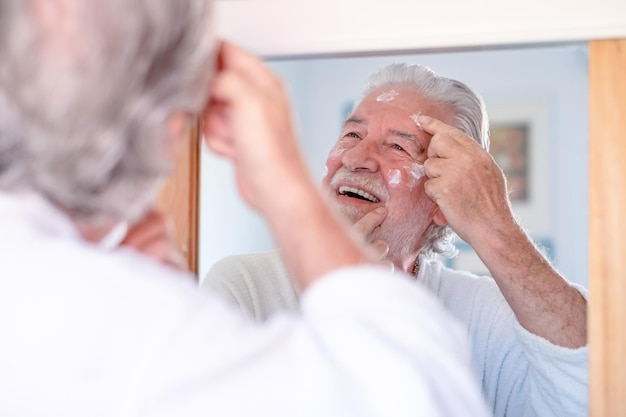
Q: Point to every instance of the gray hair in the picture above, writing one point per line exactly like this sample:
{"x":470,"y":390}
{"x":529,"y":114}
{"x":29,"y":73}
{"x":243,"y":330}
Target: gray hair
{"x":86,"y":89}
{"x":470,"y":118}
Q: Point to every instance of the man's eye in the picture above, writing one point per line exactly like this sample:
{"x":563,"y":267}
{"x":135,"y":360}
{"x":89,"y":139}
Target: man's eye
{"x":398,"y":147}
{"x":352,"y":135}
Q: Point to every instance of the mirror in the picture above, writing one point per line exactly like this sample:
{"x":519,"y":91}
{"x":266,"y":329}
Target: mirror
{"x":536,"y":97}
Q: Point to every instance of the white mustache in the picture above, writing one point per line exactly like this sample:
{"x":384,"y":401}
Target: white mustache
{"x":371,"y":183}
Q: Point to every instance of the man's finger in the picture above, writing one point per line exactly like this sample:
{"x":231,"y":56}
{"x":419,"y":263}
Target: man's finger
{"x":370,"y":221}
{"x":434,"y":167}
{"x":233,"y":58}
{"x":434,"y":126}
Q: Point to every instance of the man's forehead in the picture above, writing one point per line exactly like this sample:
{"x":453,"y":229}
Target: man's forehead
{"x":393,"y":92}
{"x":355,"y":119}
{"x":393,"y":97}
{"x":401,"y":100}
{"x":368,"y":112}
{"x":406,"y":131}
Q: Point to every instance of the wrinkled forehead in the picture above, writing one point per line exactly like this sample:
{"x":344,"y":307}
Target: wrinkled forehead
{"x":404,"y":100}
{"x":393,"y":96}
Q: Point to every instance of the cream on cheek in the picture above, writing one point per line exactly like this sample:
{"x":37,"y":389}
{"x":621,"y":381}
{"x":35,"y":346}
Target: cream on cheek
{"x":337,"y":152}
{"x":325,"y":173}
{"x":416,"y":172}
{"x":409,"y":175}
{"x":394,"y":177}
{"x":335,"y":155}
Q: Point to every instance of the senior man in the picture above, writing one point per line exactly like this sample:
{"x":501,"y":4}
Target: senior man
{"x":411,"y":164}
{"x":95,"y":96}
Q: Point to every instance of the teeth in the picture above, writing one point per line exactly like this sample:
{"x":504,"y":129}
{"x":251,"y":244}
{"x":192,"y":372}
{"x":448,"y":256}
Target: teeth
{"x":343,"y":190}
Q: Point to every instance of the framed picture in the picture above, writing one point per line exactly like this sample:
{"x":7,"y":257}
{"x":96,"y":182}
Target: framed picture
{"x":520,"y":146}
{"x":509,"y":147}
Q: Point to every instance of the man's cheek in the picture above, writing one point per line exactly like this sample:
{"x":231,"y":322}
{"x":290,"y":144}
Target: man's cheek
{"x":407,"y":177}
{"x":415,"y":172}
{"x":325,"y":175}
{"x":394,"y":178}
{"x":336,"y":153}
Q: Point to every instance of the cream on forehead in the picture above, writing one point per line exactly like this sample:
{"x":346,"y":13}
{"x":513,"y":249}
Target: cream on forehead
{"x":387,"y":96}
{"x":415,"y":117}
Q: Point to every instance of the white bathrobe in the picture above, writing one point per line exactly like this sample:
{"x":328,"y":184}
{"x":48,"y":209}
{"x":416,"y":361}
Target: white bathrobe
{"x":90,"y":332}
{"x":521,"y":374}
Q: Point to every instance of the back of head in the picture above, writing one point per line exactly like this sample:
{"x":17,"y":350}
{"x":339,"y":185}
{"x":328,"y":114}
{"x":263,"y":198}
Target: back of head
{"x":86,"y":89}
{"x":470,"y":116}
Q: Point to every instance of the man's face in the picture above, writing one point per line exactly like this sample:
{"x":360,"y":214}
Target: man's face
{"x":378,"y":161}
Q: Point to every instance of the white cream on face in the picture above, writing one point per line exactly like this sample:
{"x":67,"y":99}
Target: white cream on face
{"x":336,"y":152}
{"x":325,"y":173}
{"x":416,"y":171}
{"x":415,"y":117}
{"x":387,"y":96}
{"x":394,"y":176}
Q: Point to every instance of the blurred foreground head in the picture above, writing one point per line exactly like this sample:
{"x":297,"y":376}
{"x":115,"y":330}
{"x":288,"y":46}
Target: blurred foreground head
{"x":88,"y":89}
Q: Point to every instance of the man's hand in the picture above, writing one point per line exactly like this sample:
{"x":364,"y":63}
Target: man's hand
{"x":377,"y":249}
{"x":465,"y":182}
{"x":248,"y":120}
{"x":470,"y":190}
{"x":152,"y":237}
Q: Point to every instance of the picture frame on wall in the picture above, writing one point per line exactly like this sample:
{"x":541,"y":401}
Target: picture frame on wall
{"x":509,"y":146}
{"x":518,"y":130}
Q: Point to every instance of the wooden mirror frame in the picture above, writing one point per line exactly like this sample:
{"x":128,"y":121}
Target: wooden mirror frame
{"x":398,"y":27}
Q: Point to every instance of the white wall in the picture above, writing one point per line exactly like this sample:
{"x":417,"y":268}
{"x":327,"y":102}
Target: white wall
{"x":548,"y":81}
{"x":290,"y":28}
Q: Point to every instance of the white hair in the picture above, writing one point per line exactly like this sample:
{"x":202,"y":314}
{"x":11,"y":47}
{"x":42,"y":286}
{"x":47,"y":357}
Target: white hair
{"x":470,"y":118}
{"x":86,"y":89}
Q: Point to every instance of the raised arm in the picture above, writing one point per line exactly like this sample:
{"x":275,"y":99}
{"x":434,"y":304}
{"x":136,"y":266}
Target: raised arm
{"x":386,"y":341}
{"x":249,"y":103}
{"x":470,"y":190}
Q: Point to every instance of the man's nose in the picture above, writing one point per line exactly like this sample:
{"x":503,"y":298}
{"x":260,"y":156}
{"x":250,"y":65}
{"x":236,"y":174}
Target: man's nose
{"x":362,"y":157}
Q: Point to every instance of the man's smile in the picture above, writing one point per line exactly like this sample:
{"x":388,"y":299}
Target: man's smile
{"x":357,"y":193}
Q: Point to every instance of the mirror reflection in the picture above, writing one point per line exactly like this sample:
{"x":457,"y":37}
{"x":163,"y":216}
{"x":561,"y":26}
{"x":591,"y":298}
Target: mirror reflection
{"x":537,"y":102}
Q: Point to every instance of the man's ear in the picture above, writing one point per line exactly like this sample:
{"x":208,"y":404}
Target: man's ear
{"x":439,"y":218}
{"x":178,"y":127}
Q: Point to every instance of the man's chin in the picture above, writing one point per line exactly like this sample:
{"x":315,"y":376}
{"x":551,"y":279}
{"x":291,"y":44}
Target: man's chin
{"x":352,"y":213}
